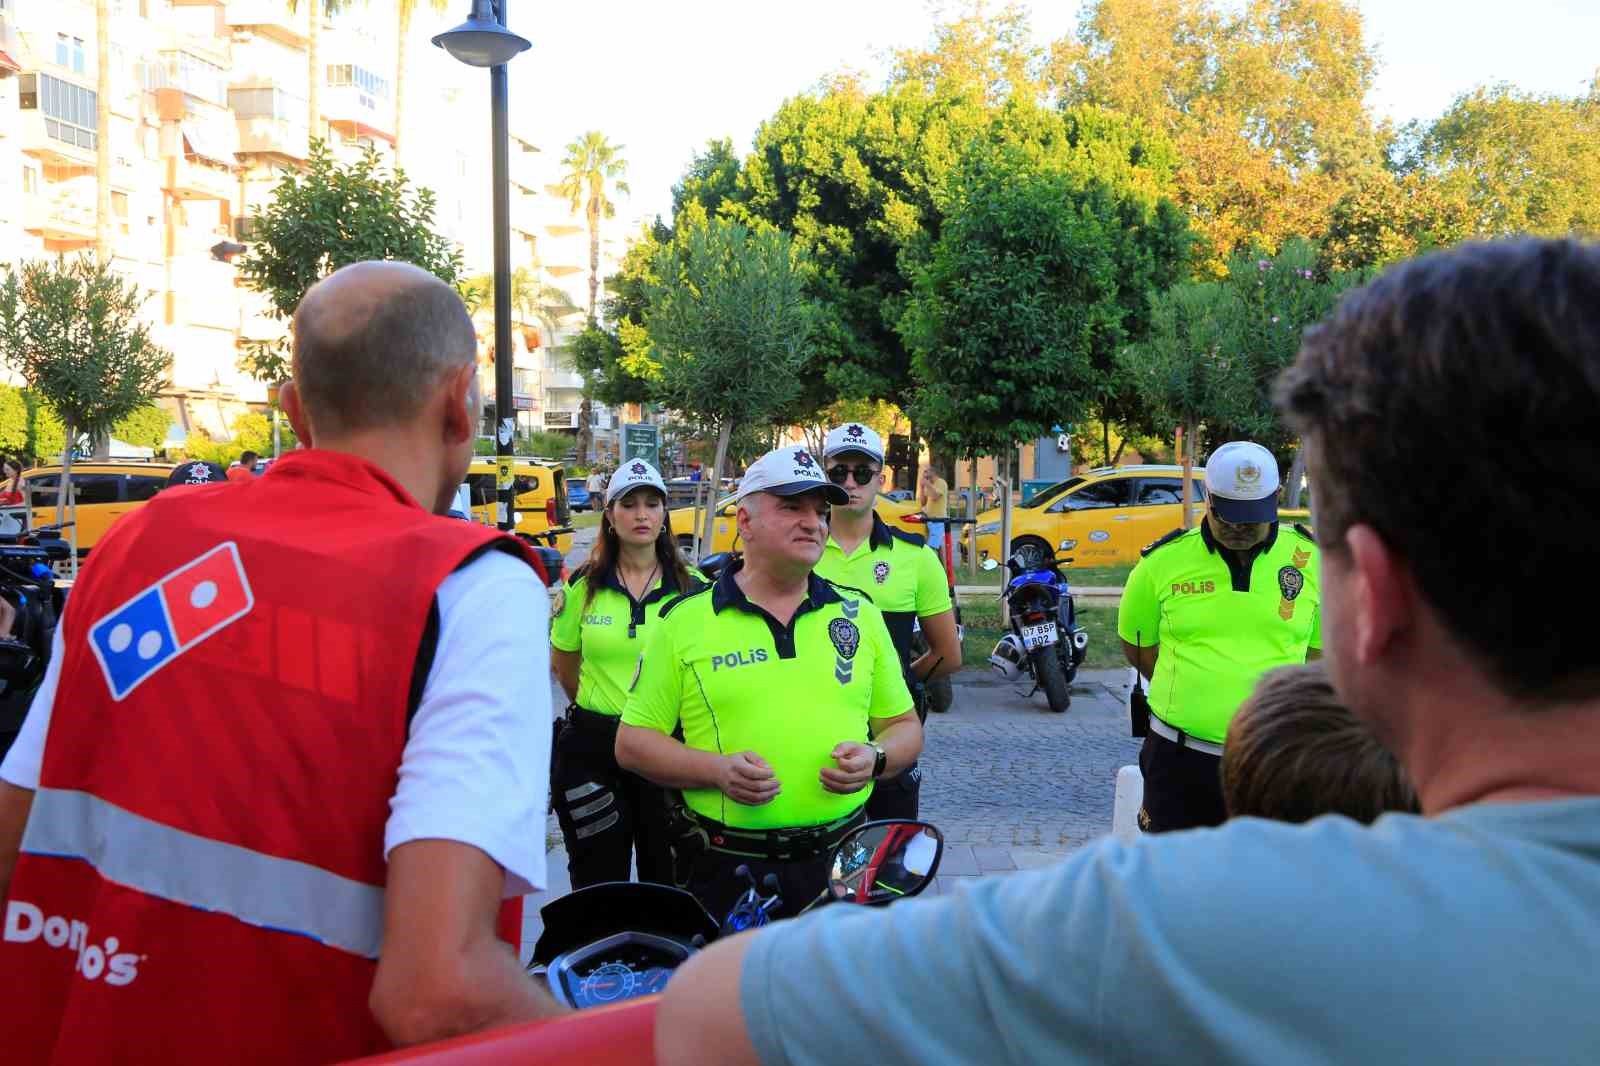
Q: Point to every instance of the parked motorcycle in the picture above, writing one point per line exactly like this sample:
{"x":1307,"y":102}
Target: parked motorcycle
{"x":623,"y":939}
{"x":1046,"y":641}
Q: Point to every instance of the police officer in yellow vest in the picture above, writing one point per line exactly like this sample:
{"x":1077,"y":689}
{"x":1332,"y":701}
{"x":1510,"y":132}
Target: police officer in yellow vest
{"x":1205,"y":613}
{"x":901,"y":575}
{"x":607,"y":814}
{"x":786,"y":691}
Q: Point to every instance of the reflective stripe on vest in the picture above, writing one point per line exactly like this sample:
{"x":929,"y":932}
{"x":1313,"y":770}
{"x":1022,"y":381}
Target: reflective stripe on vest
{"x":282,"y":895}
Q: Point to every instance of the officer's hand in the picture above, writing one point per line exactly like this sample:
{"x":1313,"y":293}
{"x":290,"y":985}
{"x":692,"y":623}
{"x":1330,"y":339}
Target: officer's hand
{"x":8,"y":618}
{"x":746,"y":778}
{"x":854,"y":768}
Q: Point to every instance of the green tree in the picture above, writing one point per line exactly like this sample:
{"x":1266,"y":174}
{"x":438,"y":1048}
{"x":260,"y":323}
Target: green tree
{"x":1265,"y":100}
{"x":72,"y":329}
{"x":1384,"y":217}
{"x":1006,"y":313}
{"x":404,"y":12}
{"x":144,"y":428}
{"x":14,"y":421}
{"x":328,"y":216}
{"x":729,"y":323}
{"x":1526,"y":163}
{"x":1215,"y":348}
{"x":591,"y":163}
{"x":712,"y":178}
{"x":974,"y":52}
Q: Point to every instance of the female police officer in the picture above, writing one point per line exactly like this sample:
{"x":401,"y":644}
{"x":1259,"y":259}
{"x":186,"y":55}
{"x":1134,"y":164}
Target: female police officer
{"x":607,"y":814}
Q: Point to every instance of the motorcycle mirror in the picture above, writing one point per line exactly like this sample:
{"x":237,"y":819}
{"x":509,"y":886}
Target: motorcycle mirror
{"x":885,"y":861}
{"x":990,"y":564}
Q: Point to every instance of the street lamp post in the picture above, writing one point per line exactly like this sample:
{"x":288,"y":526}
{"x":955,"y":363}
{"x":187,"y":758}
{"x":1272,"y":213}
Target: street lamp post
{"x":484,"y":41}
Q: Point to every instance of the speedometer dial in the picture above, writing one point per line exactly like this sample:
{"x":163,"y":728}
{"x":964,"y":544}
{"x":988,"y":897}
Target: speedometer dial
{"x":653,"y":980}
{"x":609,"y":983}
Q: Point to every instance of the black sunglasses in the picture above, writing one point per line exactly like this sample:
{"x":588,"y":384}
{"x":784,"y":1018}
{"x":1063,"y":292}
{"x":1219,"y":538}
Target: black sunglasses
{"x":864,"y":472}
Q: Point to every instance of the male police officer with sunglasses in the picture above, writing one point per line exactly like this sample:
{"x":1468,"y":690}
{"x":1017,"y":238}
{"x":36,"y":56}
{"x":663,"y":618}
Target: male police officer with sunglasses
{"x":902,"y":576}
{"x":786,"y":691}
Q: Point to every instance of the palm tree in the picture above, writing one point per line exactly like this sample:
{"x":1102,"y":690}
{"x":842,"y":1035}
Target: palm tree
{"x":102,"y":134}
{"x":406,"y":9}
{"x":317,"y":10}
{"x":591,"y":162}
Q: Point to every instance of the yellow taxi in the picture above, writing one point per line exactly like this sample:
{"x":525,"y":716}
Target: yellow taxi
{"x":104,"y":491}
{"x":1101,"y":518}
{"x":904,"y":515}
{"x":541,"y":495}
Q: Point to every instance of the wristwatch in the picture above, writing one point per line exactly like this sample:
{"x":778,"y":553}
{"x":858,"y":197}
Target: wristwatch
{"x":882,"y":759}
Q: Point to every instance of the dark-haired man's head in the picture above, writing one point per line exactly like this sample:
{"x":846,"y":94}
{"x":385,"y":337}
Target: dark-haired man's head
{"x":1449,"y":411}
{"x":1294,"y":753}
{"x":384,"y":367}
{"x":248,"y":459}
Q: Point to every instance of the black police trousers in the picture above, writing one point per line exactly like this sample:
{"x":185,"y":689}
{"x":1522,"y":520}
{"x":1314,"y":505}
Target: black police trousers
{"x":608,"y":815}
{"x":712,"y":881}
{"x":1182,"y":787}
{"x":896,"y":797}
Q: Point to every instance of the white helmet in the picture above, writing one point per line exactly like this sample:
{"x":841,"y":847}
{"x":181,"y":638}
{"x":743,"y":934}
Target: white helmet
{"x":1008,"y":657}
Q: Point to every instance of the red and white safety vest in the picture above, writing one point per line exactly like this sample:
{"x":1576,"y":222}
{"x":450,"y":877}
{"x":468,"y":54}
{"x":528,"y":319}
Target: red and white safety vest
{"x":202,"y":874}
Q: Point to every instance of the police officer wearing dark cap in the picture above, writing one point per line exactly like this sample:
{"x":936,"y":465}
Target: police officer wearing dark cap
{"x":196,"y":472}
{"x":1204,"y":614}
{"x":786,"y":691}
{"x":900,"y":574}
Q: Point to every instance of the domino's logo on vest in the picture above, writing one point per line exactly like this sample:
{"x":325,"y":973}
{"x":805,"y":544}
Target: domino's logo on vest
{"x":170,"y":617}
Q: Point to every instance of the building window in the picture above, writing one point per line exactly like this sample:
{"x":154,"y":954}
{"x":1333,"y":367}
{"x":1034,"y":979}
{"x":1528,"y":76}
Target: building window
{"x":370,"y":84}
{"x":195,"y":76}
{"x":69,"y":109}
{"x":69,"y":52}
{"x":30,"y":180}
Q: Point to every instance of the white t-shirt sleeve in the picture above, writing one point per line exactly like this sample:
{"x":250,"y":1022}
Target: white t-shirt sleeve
{"x":26,"y":757}
{"x":476,"y":768}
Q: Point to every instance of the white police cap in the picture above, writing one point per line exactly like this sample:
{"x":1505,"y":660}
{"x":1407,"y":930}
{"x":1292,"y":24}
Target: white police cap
{"x":852,"y":437}
{"x":788,"y":472}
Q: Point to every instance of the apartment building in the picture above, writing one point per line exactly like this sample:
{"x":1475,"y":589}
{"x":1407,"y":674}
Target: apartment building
{"x":209,"y":109}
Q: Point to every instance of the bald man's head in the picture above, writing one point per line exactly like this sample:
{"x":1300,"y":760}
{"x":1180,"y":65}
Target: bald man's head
{"x":372,"y":341}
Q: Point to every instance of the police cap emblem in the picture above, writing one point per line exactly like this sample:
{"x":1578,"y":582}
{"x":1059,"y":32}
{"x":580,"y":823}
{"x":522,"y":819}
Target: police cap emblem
{"x":637,"y":468}
{"x":1290,"y":582}
{"x":853,"y":430}
{"x":803,"y":457}
{"x":845,"y":636}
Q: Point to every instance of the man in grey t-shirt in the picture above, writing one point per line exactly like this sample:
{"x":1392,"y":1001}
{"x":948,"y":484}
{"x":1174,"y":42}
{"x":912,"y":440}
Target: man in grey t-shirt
{"x":1467,"y":935}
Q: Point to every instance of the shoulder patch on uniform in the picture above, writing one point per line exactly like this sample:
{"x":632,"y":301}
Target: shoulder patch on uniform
{"x":672,"y":604}
{"x":910,"y":538}
{"x":863,"y":593}
{"x":1304,"y":532}
{"x":1168,"y":539}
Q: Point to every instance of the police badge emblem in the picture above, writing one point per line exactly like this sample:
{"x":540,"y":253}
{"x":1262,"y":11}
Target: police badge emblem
{"x":845,"y":636}
{"x":880,"y":573}
{"x":1290,"y":582}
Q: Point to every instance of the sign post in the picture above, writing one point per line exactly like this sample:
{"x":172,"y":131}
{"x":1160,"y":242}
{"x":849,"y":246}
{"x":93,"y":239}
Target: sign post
{"x":642,"y":441}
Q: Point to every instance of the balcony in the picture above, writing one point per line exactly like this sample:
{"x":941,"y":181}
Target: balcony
{"x":63,"y":220}
{"x":271,"y":18}
{"x":271,"y":120}
{"x":199,"y":158}
{"x":563,"y":379}
{"x":356,"y":113}
{"x":275,"y":136}
{"x":191,"y":178}
{"x":53,"y":143}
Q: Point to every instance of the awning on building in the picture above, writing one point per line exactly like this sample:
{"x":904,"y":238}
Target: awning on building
{"x":7,"y":63}
{"x":210,"y":142}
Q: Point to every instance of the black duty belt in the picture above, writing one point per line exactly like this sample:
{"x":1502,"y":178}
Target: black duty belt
{"x":777,"y":845}
{"x":592,"y":721}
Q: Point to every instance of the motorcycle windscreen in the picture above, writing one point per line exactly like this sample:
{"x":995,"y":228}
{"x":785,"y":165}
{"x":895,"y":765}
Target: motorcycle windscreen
{"x":596,"y":912}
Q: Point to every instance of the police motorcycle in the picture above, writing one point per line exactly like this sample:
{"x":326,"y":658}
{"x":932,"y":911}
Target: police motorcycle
{"x":1046,"y":640}
{"x":621,"y":940}
{"x":28,"y":583}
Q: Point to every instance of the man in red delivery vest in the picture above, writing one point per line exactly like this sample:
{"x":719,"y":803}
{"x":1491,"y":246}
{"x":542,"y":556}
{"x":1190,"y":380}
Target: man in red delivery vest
{"x":292,"y":748}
